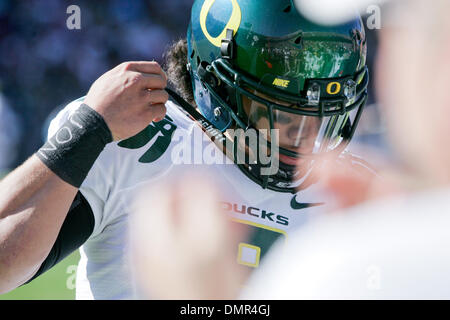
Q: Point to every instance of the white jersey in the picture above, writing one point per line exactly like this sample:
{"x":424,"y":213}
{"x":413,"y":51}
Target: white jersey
{"x":123,"y":168}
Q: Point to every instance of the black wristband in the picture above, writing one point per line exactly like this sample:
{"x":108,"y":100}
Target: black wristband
{"x":72,"y":151}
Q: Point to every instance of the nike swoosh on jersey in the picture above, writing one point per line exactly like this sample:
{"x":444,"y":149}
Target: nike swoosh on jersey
{"x":299,"y":205}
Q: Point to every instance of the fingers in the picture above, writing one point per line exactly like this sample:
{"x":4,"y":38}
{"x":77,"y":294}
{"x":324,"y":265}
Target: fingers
{"x":155,"y":112}
{"x":152,"y":81}
{"x":157,"y":96}
{"x":145,"y":74}
{"x":141,"y":81}
{"x":148,"y":67}
{"x":129,"y":97}
{"x":157,"y":109}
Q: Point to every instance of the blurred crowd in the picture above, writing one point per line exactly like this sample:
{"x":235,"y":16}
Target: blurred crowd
{"x":44,"y":65}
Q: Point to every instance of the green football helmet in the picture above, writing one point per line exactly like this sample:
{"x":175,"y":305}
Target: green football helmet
{"x":262,"y":65}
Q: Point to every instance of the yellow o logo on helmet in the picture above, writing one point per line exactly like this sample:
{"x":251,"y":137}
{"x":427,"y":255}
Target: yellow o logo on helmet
{"x":336,"y":86}
{"x":233,"y":23}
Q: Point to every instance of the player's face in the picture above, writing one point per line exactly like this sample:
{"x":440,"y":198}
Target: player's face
{"x":296,"y":132}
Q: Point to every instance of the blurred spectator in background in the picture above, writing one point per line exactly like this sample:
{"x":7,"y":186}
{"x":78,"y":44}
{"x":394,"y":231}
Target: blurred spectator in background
{"x":393,"y":247}
{"x":10,"y":133}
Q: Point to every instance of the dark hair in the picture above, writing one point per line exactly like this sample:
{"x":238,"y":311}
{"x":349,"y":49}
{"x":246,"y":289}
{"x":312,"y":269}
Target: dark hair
{"x":177,"y":72}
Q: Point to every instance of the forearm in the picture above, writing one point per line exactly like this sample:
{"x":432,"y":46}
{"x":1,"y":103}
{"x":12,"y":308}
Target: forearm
{"x":33,"y":205}
{"x":35,"y":198}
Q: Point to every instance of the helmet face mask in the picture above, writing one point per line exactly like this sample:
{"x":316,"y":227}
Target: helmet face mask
{"x":308,"y":82}
{"x":295,"y":132}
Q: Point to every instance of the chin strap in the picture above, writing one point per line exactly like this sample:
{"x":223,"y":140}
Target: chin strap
{"x":213,"y":133}
{"x":187,"y":107}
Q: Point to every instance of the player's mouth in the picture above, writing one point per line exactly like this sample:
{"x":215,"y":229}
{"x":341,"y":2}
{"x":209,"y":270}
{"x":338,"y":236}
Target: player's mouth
{"x":288,"y":160}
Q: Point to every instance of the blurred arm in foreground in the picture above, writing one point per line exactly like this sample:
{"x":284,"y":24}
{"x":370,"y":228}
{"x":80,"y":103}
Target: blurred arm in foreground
{"x":186,"y":250}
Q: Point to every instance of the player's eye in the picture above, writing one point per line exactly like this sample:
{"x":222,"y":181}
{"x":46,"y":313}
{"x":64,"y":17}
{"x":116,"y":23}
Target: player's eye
{"x":282,"y":119}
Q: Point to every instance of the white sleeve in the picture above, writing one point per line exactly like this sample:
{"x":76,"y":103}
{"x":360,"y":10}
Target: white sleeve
{"x":97,"y":184}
